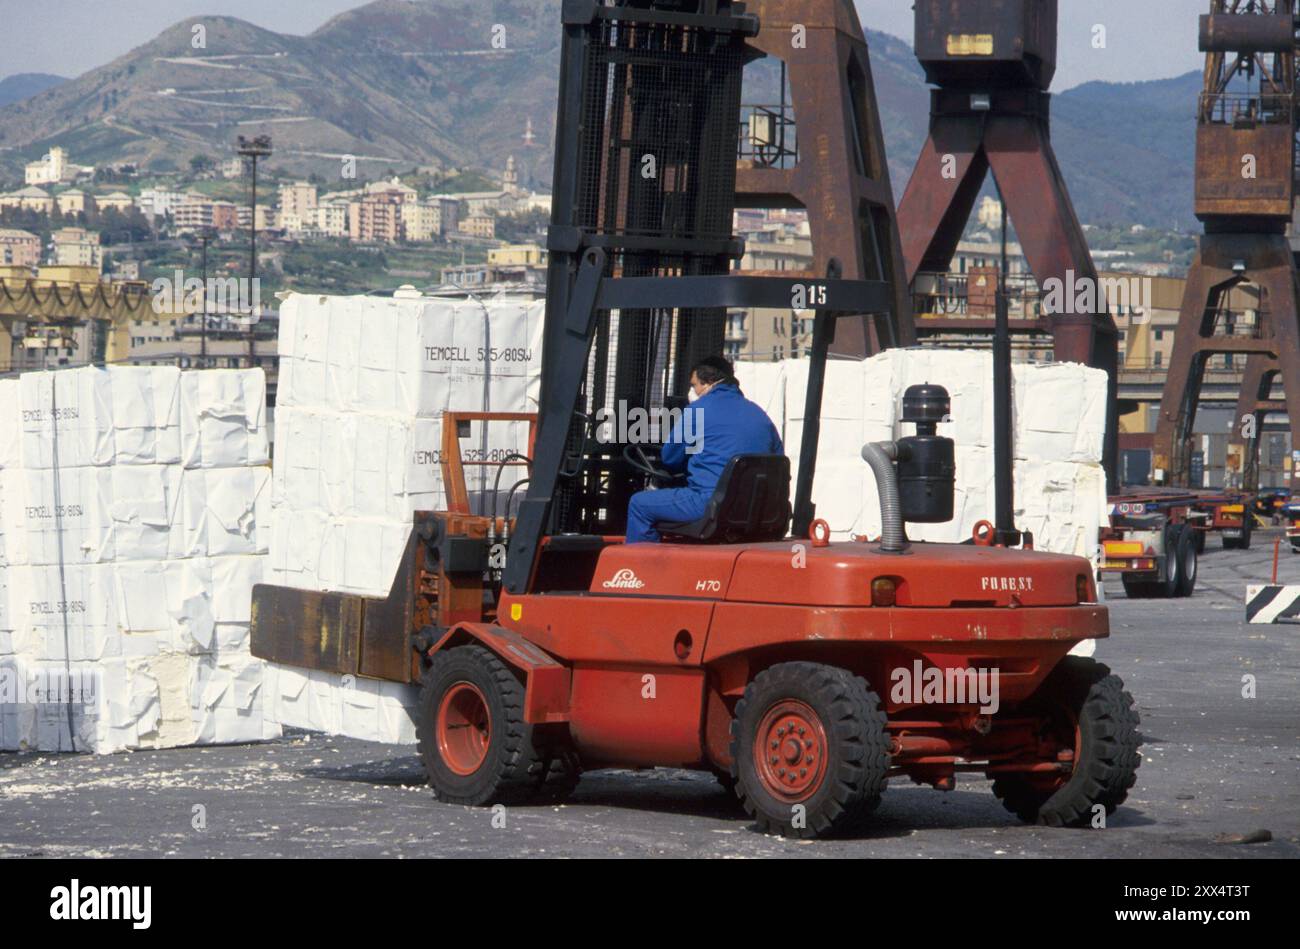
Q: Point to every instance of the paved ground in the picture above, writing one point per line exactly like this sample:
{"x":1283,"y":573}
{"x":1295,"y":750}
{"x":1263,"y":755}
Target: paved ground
{"x":1215,"y":765}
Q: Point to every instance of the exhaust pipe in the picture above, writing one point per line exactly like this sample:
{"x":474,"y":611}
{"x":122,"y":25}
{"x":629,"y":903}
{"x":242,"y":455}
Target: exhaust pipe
{"x":915,"y":476}
{"x":880,"y":456}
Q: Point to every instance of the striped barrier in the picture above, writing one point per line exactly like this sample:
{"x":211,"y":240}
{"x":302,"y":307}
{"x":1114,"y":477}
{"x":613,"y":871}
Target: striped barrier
{"x":1271,"y":602}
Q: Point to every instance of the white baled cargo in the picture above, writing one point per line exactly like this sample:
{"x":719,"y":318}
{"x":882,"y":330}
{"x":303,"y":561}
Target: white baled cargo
{"x":363,"y":385}
{"x":355,"y":706}
{"x":843,"y":425}
{"x":1060,"y":420}
{"x":364,"y":382}
{"x":134,"y":521}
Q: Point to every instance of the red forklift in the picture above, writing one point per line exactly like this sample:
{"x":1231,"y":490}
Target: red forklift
{"x":804,"y":673}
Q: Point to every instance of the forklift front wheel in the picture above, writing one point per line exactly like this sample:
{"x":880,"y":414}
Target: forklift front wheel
{"x":476,"y":747}
{"x":809,"y":749}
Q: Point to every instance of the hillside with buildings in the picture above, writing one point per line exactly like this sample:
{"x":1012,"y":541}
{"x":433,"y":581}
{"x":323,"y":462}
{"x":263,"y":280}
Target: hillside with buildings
{"x":394,"y":85}
{"x":391,"y":84}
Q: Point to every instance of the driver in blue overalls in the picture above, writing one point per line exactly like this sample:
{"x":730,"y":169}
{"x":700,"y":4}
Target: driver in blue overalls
{"x":724,"y":424}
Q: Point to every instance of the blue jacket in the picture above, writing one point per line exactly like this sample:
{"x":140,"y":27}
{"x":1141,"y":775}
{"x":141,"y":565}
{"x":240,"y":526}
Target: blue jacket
{"x":714,"y":429}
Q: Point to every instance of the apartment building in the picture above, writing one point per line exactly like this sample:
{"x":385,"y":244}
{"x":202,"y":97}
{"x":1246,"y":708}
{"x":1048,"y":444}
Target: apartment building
{"x":267,"y":219}
{"x":19,"y":248}
{"x":298,"y":201}
{"x":429,"y":220}
{"x":157,"y":202}
{"x":332,"y":218}
{"x":483,"y":226}
{"x":377,"y":217}
{"x":77,"y":247}
{"x":192,"y":213}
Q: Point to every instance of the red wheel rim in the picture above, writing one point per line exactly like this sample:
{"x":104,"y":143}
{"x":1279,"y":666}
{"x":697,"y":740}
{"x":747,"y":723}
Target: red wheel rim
{"x":790,"y":751}
{"x":464,"y":728}
{"x":1067,"y":736}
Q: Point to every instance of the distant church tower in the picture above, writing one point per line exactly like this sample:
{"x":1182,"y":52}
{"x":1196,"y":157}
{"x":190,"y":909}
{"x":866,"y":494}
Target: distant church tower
{"x":511,"y":177}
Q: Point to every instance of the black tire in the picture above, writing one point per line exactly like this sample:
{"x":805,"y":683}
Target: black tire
{"x":1109,"y":742}
{"x":1242,"y":542}
{"x":1168,"y":587}
{"x":518,"y":764}
{"x":1188,"y":564}
{"x":1200,"y":541}
{"x":1139,"y":589}
{"x":854,"y":764}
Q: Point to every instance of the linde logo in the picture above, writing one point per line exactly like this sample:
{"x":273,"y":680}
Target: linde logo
{"x":1007,"y":584}
{"x":134,"y":903}
{"x":625,"y":579}
{"x":935,"y":686}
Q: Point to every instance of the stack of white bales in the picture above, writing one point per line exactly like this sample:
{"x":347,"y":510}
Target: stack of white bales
{"x":364,"y":382}
{"x":1059,"y":414}
{"x":134,"y":504}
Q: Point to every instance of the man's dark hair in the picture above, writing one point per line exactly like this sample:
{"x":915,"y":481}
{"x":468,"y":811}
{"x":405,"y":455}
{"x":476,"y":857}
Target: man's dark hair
{"x":715,"y":369}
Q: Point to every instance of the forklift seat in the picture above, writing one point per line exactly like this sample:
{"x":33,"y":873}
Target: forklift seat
{"x":750,"y":504}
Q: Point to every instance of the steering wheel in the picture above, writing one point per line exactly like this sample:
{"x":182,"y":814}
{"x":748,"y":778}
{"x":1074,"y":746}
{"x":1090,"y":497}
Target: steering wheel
{"x":637,"y":457}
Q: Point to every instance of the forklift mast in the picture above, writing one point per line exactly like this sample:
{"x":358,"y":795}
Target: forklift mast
{"x":641,"y":249}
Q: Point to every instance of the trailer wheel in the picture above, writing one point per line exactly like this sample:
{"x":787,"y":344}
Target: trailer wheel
{"x":1169,"y":586}
{"x":809,"y":749}
{"x":1200,"y":541}
{"x":1084,"y":706}
{"x":1242,"y":542}
{"x":1187,"y":562}
{"x":476,"y":747}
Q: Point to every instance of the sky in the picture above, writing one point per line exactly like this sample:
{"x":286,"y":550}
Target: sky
{"x":1148,"y":39}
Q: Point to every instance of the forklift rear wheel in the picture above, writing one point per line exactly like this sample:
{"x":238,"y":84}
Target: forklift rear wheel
{"x":476,"y":747}
{"x":809,"y":749}
{"x":1085,"y":710}
{"x":1187,"y":562}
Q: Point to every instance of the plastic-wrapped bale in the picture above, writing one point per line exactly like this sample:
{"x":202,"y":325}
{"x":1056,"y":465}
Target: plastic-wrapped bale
{"x":355,"y":706}
{"x":843,"y":426}
{"x":1059,"y":416}
{"x":133,"y":509}
{"x":364,"y":382}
